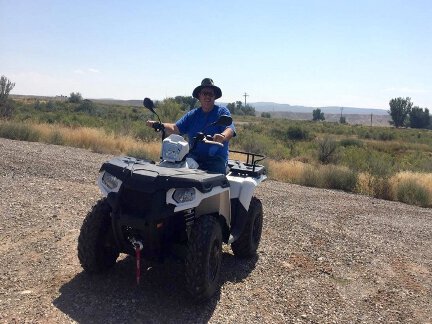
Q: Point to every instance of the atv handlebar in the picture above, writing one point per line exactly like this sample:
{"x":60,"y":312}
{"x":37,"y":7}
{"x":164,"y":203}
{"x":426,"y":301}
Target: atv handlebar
{"x":207,"y":139}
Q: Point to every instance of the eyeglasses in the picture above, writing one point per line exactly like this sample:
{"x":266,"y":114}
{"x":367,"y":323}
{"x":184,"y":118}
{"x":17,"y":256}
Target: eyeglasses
{"x":207,"y":93}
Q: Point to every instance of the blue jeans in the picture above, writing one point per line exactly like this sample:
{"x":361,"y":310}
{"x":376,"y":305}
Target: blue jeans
{"x":211,"y":164}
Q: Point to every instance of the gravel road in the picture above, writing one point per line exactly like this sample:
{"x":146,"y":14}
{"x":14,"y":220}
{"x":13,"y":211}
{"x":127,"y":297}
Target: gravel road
{"x":325,"y":256}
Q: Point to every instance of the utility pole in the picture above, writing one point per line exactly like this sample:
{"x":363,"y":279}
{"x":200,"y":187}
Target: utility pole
{"x":371,"y":119}
{"x":245,"y":95}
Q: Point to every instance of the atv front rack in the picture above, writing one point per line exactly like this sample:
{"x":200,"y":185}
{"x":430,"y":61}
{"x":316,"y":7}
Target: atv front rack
{"x":250,"y":168}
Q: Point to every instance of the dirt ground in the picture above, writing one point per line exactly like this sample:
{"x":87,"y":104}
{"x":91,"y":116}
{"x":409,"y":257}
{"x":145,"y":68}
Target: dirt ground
{"x":325,"y":256}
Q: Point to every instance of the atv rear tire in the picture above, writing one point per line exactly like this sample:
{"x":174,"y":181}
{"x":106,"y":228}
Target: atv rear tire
{"x":203,"y":258}
{"x":247,"y":244}
{"x":97,"y":251}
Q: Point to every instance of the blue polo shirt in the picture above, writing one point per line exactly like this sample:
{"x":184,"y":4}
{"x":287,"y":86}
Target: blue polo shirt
{"x":196,"y":121}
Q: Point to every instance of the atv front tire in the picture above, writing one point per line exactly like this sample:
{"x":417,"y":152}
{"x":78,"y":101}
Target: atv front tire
{"x":247,"y":244}
{"x":97,"y":251}
{"x":203,"y":258}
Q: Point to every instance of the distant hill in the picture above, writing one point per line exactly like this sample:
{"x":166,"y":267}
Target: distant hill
{"x":275,"y":107}
{"x":380,"y":117}
{"x":133,"y":103}
{"x":352,"y":119}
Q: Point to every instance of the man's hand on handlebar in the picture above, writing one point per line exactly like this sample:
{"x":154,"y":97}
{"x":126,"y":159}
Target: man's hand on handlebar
{"x":155,"y":125}
{"x":208,"y":139}
{"x":220,"y":138}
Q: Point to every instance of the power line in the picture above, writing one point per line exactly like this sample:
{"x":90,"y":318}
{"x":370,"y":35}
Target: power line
{"x":245,"y":95}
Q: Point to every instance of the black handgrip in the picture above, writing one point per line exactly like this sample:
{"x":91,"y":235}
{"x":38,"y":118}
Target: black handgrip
{"x":157,"y":126}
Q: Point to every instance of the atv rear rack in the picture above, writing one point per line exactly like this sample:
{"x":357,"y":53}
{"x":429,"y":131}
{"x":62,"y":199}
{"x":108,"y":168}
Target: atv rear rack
{"x":250,"y":168}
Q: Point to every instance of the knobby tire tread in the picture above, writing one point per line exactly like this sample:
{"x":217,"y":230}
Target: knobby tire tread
{"x":244,"y":247}
{"x":205,"y":230}
{"x":93,"y":255}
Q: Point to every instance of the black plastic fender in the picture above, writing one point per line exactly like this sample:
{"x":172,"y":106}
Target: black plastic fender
{"x":238,"y":219}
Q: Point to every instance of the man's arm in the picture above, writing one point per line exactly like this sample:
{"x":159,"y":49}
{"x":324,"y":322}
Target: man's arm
{"x":225,"y":136}
{"x":169,"y":128}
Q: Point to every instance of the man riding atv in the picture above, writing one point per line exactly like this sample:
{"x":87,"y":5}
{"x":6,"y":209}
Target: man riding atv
{"x":211,"y":158}
{"x":160,"y":210}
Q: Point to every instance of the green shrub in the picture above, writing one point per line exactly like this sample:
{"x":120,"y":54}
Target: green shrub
{"x":145,"y":133}
{"x":56,"y":138}
{"x":385,"y":136}
{"x":410,"y":192}
{"x":351,"y":142}
{"x":311,"y":177}
{"x":330,"y":177}
{"x":18,"y":131}
{"x":361,"y":159}
{"x":327,"y":150}
{"x":86,"y":106}
{"x":75,"y":97}
{"x":279,"y":151}
{"x":339,"y":178}
{"x":297,"y":133}
{"x":363,"y":133}
{"x":253,"y":142}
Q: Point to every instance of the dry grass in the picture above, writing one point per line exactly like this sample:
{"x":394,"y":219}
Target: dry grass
{"x":404,"y":183}
{"x":97,"y":140}
{"x":320,"y":176}
{"x":236,"y":156}
{"x":422,"y":180}
{"x":375,"y":186}
{"x":365,"y":184}
{"x":287,"y":171}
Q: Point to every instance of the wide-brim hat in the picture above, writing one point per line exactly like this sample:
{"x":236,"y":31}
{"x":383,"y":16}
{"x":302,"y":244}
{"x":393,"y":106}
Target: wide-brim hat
{"x":207,"y":83}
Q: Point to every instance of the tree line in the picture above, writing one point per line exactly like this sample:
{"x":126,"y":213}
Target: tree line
{"x":405,"y":114}
{"x":402,"y":111}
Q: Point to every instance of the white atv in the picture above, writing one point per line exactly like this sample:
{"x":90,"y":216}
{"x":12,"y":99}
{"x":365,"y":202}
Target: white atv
{"x":167,"y":209}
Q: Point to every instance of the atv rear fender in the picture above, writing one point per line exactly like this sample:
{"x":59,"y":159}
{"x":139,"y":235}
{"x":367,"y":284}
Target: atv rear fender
{"x":243,"y":188}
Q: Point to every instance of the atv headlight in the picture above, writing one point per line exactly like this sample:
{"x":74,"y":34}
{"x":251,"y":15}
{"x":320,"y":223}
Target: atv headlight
{"x":183,"y":195}
{"x":110,"y":181}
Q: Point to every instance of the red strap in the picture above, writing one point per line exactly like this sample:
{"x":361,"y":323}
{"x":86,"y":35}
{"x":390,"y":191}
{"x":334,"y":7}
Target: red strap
{"x":138,"y":263}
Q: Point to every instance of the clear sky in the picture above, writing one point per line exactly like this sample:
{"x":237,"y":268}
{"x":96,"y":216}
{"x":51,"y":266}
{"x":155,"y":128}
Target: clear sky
{"x":315,"y":53}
